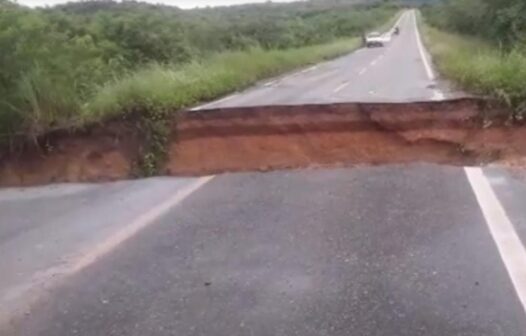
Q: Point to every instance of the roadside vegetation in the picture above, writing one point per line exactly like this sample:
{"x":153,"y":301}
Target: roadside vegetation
{"x":481,"y":44}
{"x":80,"y":63}
{"x":163,"y":88}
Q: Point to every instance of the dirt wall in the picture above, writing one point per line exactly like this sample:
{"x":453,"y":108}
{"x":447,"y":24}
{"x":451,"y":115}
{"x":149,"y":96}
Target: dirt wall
{"x":279,"y":137}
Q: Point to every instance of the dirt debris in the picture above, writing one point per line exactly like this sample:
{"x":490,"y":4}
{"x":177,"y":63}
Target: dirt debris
{"x":280,"y":137}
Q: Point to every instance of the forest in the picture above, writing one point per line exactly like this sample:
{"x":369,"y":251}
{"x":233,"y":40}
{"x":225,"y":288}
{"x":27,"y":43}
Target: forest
{"x":81,"y":62}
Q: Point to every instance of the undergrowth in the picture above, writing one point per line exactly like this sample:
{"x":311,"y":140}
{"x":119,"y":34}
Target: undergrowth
{"x":154,"y":130}
{"x":481,"y":67}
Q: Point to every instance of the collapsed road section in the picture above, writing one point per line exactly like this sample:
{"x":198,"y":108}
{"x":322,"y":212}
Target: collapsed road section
{"x":455,"y":132}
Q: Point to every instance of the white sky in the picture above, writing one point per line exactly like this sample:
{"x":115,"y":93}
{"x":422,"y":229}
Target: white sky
{"x":178,"y":3}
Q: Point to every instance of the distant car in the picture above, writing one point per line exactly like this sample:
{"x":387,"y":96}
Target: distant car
{"x":374,"y":39}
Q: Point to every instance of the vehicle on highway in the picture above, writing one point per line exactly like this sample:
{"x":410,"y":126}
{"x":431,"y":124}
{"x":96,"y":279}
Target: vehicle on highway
{"x":374,"y":39}
{"x":397,"y":31}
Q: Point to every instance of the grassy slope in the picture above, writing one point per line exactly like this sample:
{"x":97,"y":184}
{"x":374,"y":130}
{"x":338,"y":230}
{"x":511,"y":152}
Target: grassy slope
{"x":161,"y":87}
{"x":480,"y":67}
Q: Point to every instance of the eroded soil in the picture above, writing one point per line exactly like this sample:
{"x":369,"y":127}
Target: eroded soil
{"x":279,"y":137}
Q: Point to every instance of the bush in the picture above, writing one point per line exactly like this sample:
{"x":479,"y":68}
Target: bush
{"x":484,"y":48}
{"x":480,"y":67}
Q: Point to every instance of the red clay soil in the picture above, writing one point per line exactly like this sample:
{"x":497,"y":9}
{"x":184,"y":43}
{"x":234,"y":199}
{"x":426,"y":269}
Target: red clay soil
{"x":279,"y":137}
{"x":101,"y":153}
{"x":267,"y":138}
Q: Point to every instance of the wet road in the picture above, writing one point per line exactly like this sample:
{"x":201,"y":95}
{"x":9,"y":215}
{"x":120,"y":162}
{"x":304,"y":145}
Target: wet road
{"x":394,"y":250}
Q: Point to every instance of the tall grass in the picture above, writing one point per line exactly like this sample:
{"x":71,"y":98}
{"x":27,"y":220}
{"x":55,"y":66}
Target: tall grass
{"x":480,"y":67}
{"x":159,"y":87}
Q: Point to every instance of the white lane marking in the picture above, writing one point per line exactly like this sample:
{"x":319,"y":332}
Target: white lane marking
{"x":429,"y":70}
{"x":270,"y":83}
{"x":211,"y":104}
{"x":138,"y":224}
{"x":341,"y":87}
{"x":437,"y":94}
{"x":397,"y":23}
{"x":362,"y":72}
{"x":508,"y":243}
{"x":312,"y":68}
{"x":295,"y":74}
{"x":83,"y":259}
{"x":402,"y":17}
{"x":377,"y":59}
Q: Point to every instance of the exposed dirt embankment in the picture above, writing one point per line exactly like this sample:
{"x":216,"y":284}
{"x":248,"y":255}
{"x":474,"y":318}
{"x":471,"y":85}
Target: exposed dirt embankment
{"x":278,"y":137}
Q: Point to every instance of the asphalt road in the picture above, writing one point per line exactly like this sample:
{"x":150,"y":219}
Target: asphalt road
{"x":393,"y":250}
{"x":399,"y":72}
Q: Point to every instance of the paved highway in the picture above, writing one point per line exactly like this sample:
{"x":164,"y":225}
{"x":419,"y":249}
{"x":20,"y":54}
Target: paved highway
{"x":399,"y":72}
{"x":393,"y":250}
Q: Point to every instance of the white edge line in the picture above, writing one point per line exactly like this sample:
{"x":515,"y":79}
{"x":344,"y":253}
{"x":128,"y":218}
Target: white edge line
{"x":509,"y":245}
{"x":341,"y":87}
{"x":208,"y":105}
{"x":397,"y":23}
{"x":138,"y":224}
{"x":83,"y":259}
{"x":270,"y":83}
{"x":429,"y":70}
{"x":312,"y":68}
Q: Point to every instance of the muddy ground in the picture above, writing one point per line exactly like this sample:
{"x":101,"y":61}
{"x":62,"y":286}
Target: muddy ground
{"x":456,"y":132}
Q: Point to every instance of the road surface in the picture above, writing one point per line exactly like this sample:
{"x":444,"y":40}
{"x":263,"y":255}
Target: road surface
{"x":400,"y":72}
{"x":394,"y":250}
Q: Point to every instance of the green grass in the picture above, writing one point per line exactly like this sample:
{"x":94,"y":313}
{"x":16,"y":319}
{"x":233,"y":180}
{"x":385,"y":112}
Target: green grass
{"x":480,"y":67}
{"x":164,"y":87}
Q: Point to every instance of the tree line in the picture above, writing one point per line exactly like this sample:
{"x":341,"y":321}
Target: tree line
{"x":502,"y":21}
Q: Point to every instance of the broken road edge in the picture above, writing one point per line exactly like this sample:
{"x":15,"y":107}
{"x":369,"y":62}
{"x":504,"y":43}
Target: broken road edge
{"x":463,"y":131}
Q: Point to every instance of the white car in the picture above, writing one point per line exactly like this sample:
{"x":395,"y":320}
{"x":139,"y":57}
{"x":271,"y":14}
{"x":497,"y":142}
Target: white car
{"x":375,"y":39}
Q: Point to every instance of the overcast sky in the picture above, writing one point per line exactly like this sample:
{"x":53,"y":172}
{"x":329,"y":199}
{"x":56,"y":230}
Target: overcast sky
{"x":178,"y":3}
